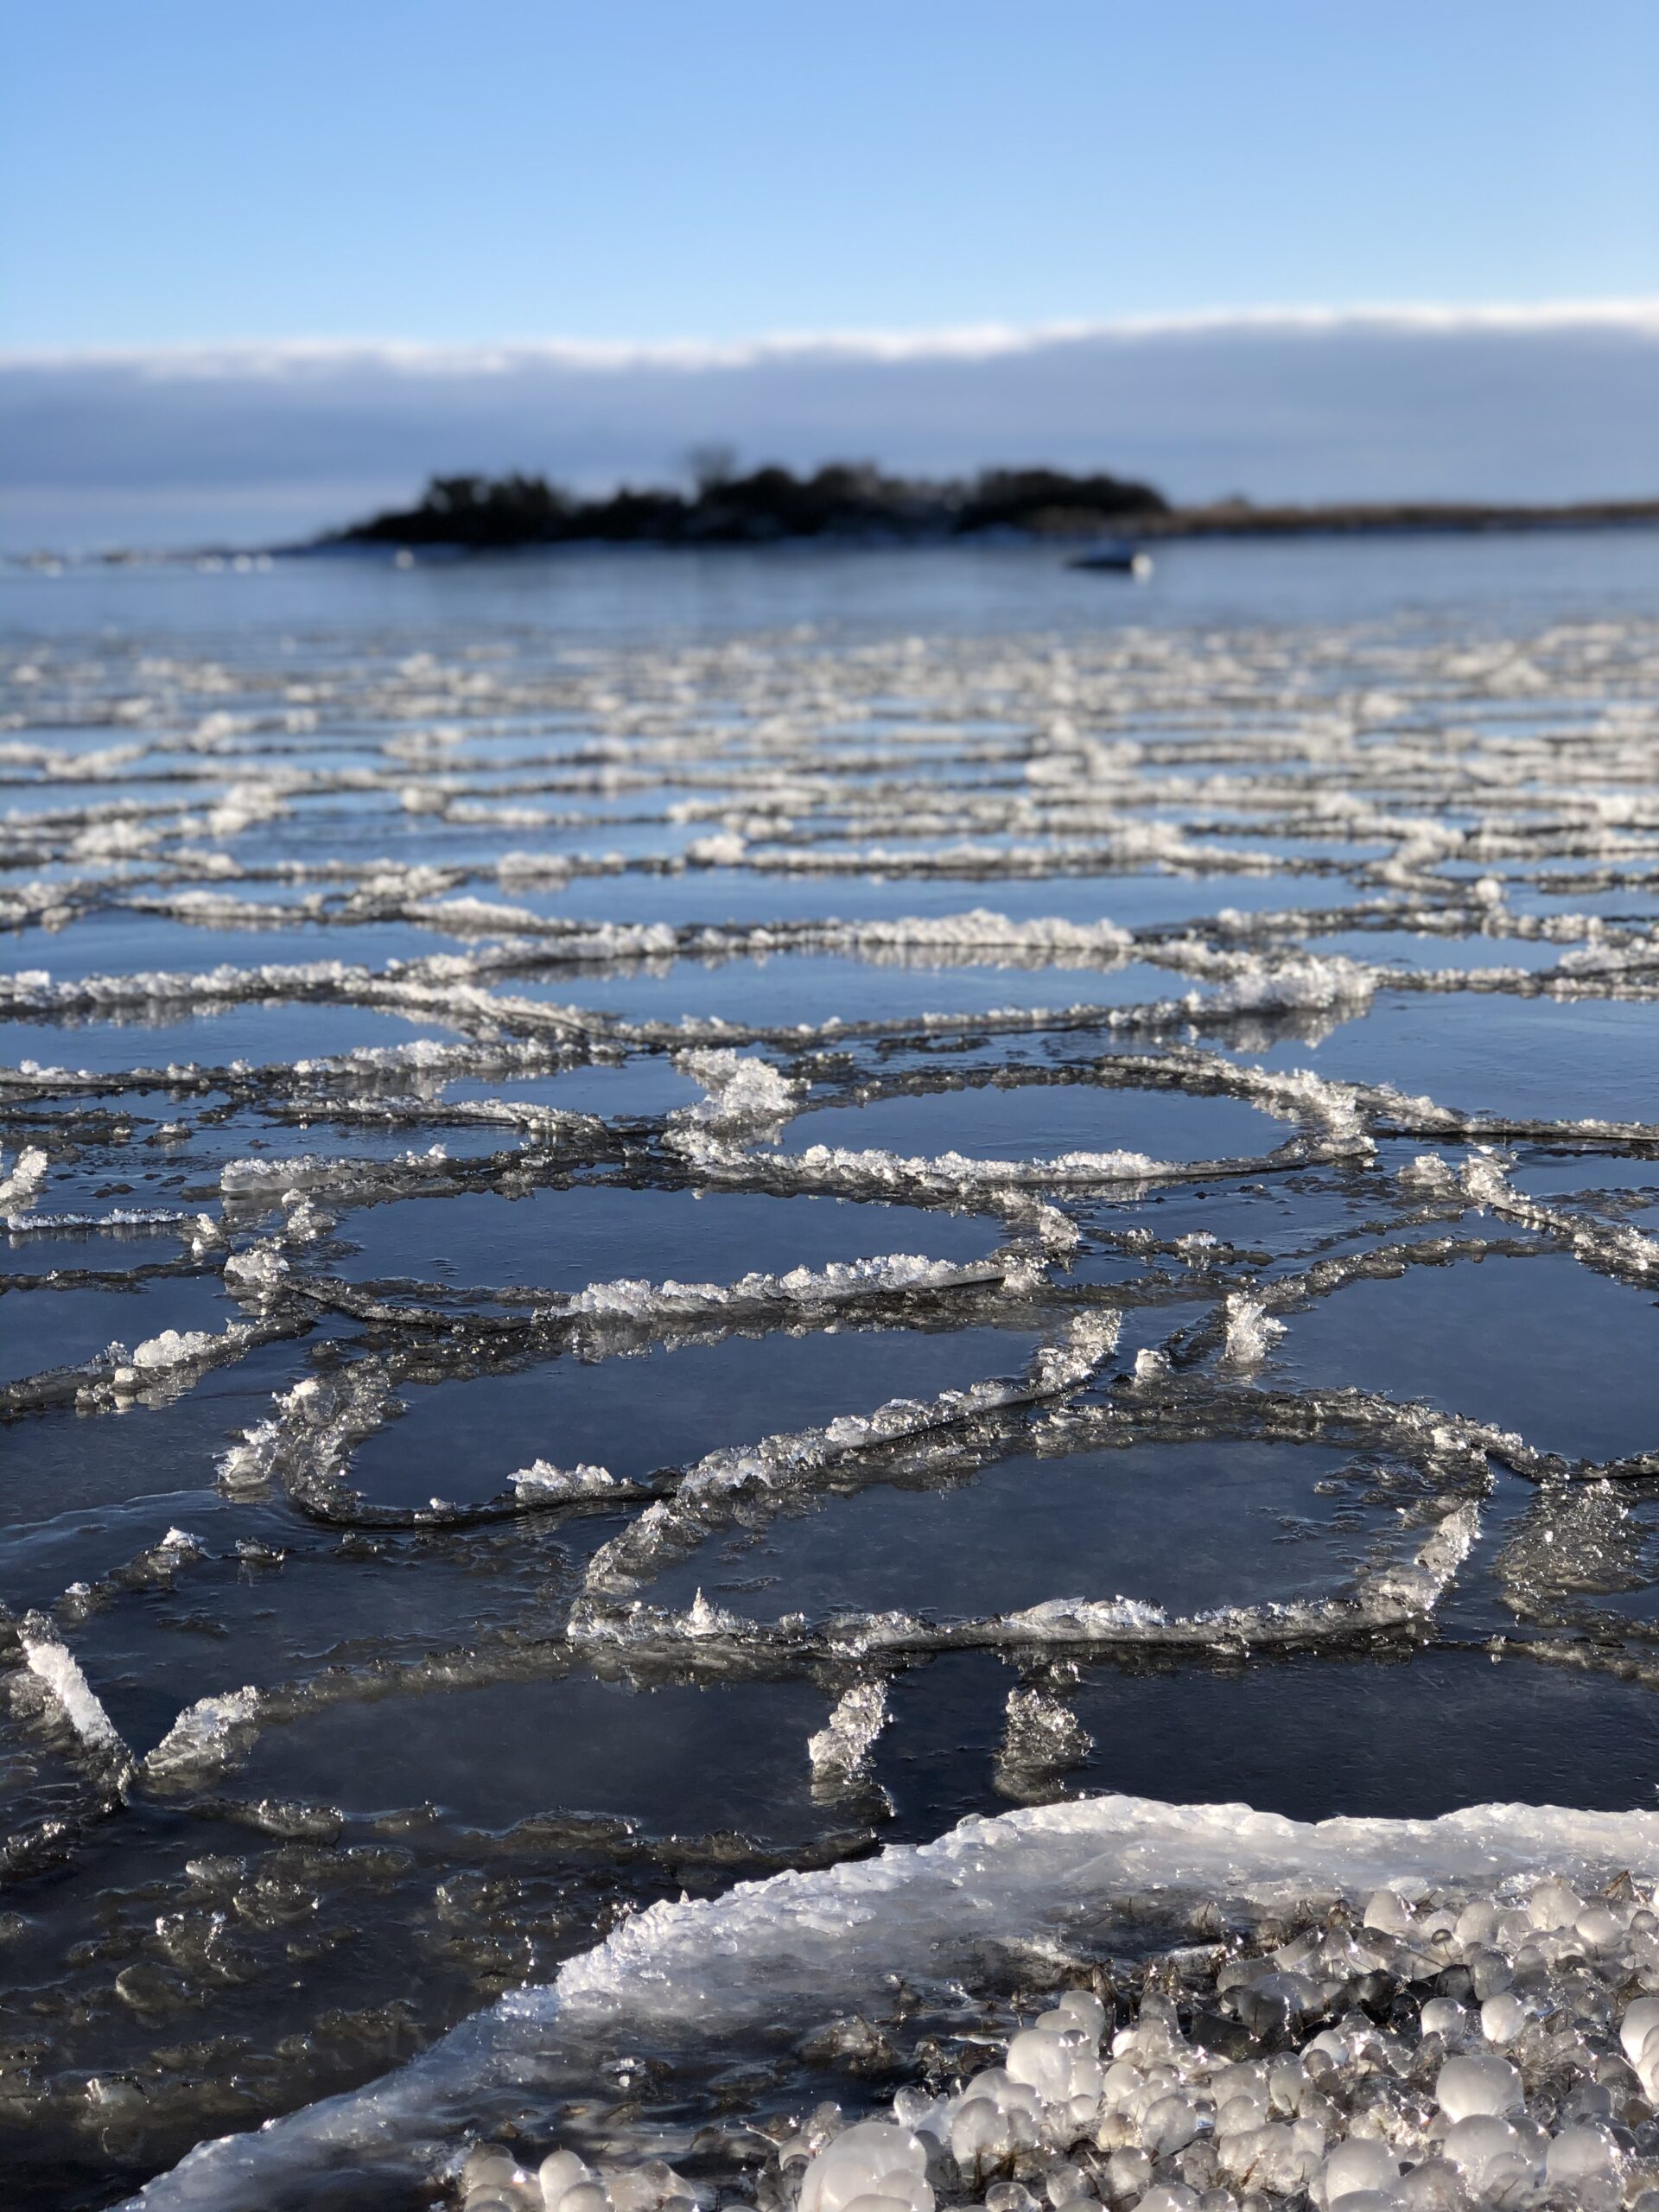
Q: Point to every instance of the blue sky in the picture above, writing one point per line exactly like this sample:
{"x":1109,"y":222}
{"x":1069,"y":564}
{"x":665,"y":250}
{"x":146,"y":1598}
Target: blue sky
{"x":174,"y":171}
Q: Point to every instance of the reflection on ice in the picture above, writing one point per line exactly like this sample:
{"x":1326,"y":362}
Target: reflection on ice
{"x":990,"y":1122}
{"x":660,"y":1407}
{"x":1236,"y":1523}
{"x":492,"y":1757}
{"x":577,"y":1236}
{"x":1525,"y":1344}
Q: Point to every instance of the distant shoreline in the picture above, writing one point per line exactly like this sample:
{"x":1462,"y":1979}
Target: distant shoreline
{"x":1412,"y":517}
{"x":1420,"y":518}
{"x":854,"y":504}
{"x":1173,"y":525}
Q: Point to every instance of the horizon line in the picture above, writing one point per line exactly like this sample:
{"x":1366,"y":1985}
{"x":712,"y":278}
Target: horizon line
{"x":1639,"y":315}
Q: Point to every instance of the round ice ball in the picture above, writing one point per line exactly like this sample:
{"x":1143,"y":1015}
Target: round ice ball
{"x":1056,"y":2065}
{"x":1599,"y":1929}
{"x":1128,"y":2172}
{"x":979,"y":2130}
{"x":1388,"y":1912}
{"x":1434,"y":2186}
{"x":1553,"y":1904}
{"x":1241,"y":2110}
{"x":559,"y":2170}
{"x":1502,"y":2018}
{"x":1085,"y":2009}
{"x":1637,"y":2025}
{"x":1472,"y":2145}
{"x":1445,"y":2017}
{"x":875,"y":2158}
{"x":1578,"y":2154}
{"x":1169,"y":2124}
{"x":1361,"y":2163}
{"x":1066,"y":2184}
{"x":584,"y":2197}
{"x":558,"y":2173}
{"x":489,"y":2166}
{"x":1474,"y":2088}
{"x":1017,"y":2101}
{"x":1477,"y":1924}
{"x":1124,"y":2082}
{"x":1009,"y":2196}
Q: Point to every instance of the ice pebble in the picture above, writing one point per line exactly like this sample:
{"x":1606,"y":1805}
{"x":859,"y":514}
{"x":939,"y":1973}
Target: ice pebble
{"x":1472,"y":2145}
{"x":1388,"y":1912}
{"x":876,"y":2158}
{"x":1446,"y":2018}
{"x":1472,"y":2088}
{"x":1502,"y":2018}
{"x":487,"y":2165}
{"x":979,"y":2131}
{"x":1057,"y":2066}
{"x":1129,"y":2174}
{"x":1434,"y":2186}
{"x":1553,"y":1904}
{"x":1639,"y":2024}
{"x":1476,"y":1925}
{"x":1361,"y":2163}
{"x":1579,"y":2154}
{"x":1086,"y":2009}
{"x":1599,"y":1929}
{"x":1067,"y":2184}
{"x":558,"y":2171}
{"x":1170,"y":2124}
{"x":1009,"y":2196}
{"x":584,"y":2197}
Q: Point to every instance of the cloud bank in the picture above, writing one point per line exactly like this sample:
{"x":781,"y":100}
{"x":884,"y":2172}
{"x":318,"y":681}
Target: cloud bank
{"x":261,"y":442}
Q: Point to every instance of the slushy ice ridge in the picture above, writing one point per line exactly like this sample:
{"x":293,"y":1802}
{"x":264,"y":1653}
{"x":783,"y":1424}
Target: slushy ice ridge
{"x":637,"y":1271}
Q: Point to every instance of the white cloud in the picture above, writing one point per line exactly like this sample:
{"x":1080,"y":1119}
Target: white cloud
{"x":164,"y":445}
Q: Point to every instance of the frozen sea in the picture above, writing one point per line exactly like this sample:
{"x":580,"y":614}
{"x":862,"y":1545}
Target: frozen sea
{"x":668,"y":1220}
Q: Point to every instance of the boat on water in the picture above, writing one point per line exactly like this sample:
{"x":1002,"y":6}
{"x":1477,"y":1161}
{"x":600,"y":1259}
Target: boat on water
{"x":1117,"y":557}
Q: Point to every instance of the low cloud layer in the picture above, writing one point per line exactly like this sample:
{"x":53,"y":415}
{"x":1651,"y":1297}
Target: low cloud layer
{"x":260,"y":443}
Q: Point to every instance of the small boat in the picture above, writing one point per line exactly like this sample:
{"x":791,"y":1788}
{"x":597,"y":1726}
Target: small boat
{"x":1114,"y":558}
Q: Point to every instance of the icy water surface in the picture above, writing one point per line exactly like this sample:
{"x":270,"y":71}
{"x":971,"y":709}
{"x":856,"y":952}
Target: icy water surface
{"x":664,"y":1220}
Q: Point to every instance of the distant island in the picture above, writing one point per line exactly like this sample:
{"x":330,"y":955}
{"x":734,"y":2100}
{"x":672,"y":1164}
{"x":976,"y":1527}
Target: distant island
{"x":853,"y":503}
{"x":842,"y":500}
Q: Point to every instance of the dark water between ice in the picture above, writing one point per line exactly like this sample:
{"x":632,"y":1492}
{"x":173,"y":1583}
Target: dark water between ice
{"x":508,"y":1067}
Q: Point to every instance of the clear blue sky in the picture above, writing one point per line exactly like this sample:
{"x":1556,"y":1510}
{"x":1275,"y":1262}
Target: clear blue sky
{"x":179,"y":170}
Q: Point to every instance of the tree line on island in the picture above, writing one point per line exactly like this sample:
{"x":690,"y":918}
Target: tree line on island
{"x":841,"y":500}
{"x":858,"y":502}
